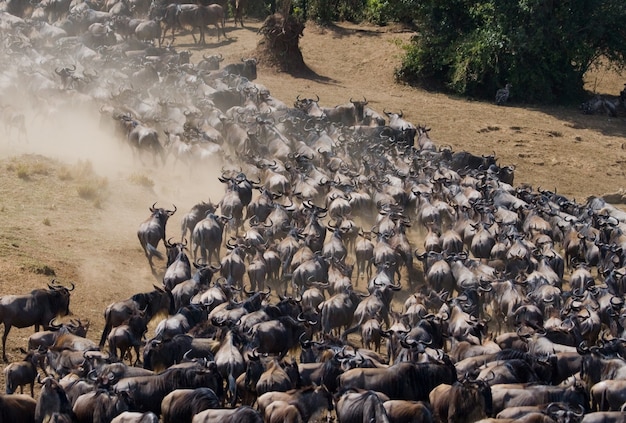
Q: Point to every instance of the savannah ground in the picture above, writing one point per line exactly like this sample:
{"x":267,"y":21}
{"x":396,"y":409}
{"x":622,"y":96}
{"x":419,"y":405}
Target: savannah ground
{"x":71,"y":199}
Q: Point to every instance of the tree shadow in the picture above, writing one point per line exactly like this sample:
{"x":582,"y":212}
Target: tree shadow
{"x":340,"y":31}
{"x":305,"y":72}
{"x":208,"y":45}
{"x":574,"y":118}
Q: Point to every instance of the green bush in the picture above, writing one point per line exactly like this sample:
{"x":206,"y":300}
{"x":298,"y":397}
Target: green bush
{"x":543,"y":48}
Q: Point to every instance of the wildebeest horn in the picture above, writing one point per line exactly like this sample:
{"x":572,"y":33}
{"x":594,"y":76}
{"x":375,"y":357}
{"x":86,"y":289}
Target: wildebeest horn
{"x":255,"y":355}
{"x":53,"y":325}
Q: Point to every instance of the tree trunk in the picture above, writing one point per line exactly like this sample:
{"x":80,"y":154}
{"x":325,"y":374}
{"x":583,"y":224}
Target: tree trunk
{"x":280,"y":44}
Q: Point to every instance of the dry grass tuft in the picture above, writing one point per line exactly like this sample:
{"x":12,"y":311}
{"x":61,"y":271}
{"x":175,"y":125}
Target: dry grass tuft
{"x":141,"y":180}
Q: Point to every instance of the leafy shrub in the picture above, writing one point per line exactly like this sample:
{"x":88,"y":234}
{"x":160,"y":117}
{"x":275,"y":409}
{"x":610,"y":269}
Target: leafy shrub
{"x":542,"y":48}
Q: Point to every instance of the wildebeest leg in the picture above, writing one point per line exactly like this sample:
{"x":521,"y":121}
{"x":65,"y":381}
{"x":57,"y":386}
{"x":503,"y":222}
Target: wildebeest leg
{"x":7,"y":328}
{"x":201,"y":36}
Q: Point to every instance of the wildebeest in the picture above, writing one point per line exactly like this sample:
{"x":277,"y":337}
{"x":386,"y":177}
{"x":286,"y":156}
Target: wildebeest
{"x":148,"y":392}
{"x":599,"y":104}
{"x":128,"y":336}
{"x":148,"y":31}
{"x":463,"y":401}
{"x":400,"y":411}
{"x":159,"y":354}
{"x":464,"y":160}
{"x":17,"y":408}
{"x":247,"y":68}
{"x":152,"y":230}
{"x":244,"y":414}
{"x":22,"y":373}
{"x":100,"y":406}
{"x":238,"y":7}
{"x":37,"y":308}
{"x":405,"y":381}
{"x":136,"y":417}
{"x":151,"y":303}
{"x":502,"y":95}
{"x":356,"y":406}
{"x":179,"y":16}
{"x":311,"y":401}
{"x":180,"y":405}
{"x":143,"y":139}
{"x":47,"y":338}
{"x":207,"y":236}
{"x":277,"y":336}
{"x":52,"y":400}
{"x":198,"y":212}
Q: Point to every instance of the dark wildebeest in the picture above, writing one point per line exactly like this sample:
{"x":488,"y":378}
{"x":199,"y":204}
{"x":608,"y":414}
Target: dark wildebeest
{"x":311,"y":401}
{"x":151,"y":303}
{"x":355,"y":406}
{"x":45,"y":339}
{"x":100,"y":406}
{"x":148,"y":392}
{"x":277,"y":336}
{"x":195,"y":215}
{"x":180,"y":405}
{"x":461,"y":402}
{"x":126,"y":336}
{"x":179,"y":16}
{"x":404,"y":380}
{"x":17,"y":408}
{"x":238,"y":6}
{"x":247,"y":68}
{"x":159,"y":354}
{"x":52,"y":400}
{"x":244,"y":414}
{"x":142,"y":139}
{"x":400,"y":411}
{"x":37,"y":308}
{"x":22,"y":373}
{"x":136,"y":417}
{"x":152,"y":230}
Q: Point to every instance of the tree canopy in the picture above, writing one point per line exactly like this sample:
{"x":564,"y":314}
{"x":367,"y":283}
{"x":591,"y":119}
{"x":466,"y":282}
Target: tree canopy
{"x":542,"y":47}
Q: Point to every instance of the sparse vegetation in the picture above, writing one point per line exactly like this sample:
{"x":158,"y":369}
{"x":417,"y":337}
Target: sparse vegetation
{"x":141,"y":180}
{"x":83,"y":169}
{"x":40,"y":269}
{"x":65,"y":173}
{"x":22,"y":171}
{"x":27,"y":166}
{"x":46,"y":221}
{"x":93,"y":189}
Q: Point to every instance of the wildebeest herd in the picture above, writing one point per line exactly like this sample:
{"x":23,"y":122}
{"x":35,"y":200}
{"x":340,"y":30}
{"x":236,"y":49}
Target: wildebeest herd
{"x":472,"y":299}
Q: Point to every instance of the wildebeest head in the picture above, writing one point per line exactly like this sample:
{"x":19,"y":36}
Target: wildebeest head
{"x":58,"y":299}
{"x":161,"y":214}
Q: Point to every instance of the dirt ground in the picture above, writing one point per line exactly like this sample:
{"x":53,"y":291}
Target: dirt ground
{"x":50,"y":227}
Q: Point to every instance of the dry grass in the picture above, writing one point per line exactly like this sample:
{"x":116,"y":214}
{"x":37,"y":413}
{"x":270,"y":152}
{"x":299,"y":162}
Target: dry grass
{"x":141,"y":180}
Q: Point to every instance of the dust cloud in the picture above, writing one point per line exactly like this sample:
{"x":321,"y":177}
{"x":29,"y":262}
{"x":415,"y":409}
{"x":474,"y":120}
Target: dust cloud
{"x":73,"y":134}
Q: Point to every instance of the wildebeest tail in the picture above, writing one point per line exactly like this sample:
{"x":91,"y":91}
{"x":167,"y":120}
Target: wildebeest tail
{"x":153,"y":251}
{"x":232,"y":385}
